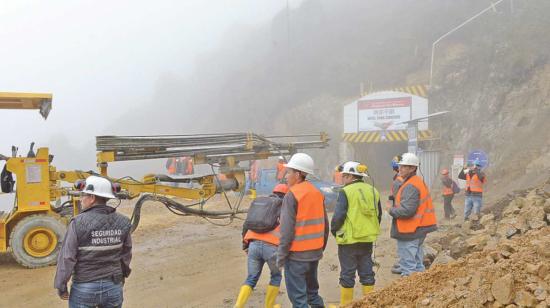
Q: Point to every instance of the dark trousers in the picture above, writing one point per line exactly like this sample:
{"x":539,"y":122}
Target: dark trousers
{"x":448,"y":205}
{"x":356,"y":258}
{"x":302,"y":284}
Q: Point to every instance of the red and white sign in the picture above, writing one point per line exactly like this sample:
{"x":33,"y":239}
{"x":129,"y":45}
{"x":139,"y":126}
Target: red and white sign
{"x":382,"y":114}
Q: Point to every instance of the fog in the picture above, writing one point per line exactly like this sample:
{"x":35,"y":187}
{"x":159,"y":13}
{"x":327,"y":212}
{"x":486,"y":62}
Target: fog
{"x":102,"y":60}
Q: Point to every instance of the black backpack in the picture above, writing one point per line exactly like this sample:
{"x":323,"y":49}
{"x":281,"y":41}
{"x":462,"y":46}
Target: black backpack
{"x":6,"y":180}
{"x":263,"y":214}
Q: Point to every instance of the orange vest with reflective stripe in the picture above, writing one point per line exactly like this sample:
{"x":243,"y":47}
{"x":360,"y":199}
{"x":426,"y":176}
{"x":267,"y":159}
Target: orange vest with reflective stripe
{"x":309,"y":231}
{"x":425,"y":214}
{"x":473,"y":183}
{"x":280,"y":171}
{"x":271,"y":237}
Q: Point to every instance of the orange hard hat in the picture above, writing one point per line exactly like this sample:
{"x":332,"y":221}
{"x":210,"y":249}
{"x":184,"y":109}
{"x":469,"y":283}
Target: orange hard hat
{"x":280,"y":188}
{"x":444,"y":172}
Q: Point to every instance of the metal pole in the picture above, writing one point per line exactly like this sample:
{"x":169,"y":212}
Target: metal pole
{"x":492,"y":6}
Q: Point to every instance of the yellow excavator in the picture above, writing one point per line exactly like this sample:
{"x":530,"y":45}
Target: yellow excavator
{"x":45,"y":199}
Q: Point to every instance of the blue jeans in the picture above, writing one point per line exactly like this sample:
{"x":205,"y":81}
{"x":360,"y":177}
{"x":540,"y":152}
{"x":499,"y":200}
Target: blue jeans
{"x":472,"y":202}
{"x":302,"y":284}
{"x":411,"y":256}
{"x":356,"y":258}
{"x":260,"y":252}
{"x":100,"y":293}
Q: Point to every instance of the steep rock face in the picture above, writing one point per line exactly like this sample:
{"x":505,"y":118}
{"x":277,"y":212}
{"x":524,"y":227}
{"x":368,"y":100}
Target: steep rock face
{"x":497,"y":86}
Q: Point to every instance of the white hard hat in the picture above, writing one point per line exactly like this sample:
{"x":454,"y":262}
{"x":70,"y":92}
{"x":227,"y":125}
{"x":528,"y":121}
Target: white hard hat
{"x":281,"y":158}
{"x":355,"y":168}
{"x":409,"y":159}
{"x":98,"y":186}
{"x":301,"y":162}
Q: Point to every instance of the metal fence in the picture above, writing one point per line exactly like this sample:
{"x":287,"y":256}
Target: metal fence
{"x":429,"y":166}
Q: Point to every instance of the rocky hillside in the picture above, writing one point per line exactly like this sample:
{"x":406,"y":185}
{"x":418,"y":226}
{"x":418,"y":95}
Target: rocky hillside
{"x":501,"y":259}
{"x":495,"y":79}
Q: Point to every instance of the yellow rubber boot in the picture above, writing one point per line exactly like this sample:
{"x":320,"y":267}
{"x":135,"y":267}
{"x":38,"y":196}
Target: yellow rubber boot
{"x":346,"y":296}
{"x":244,"y":294}
{"x":367,"y":289}
{"x":271,"y":296}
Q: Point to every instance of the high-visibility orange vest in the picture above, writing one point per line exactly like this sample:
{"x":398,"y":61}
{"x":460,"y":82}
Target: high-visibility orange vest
{"x":172,"y":167}
{"x":397,"y":177}
{"x":447,"y":191}
{"x":271,"y":237}
{"x":309,"y":231}
{"x":425,"y":214}
{"x":473,"y":183}
{"x":281,"y":170}
{"x":189,"y":167}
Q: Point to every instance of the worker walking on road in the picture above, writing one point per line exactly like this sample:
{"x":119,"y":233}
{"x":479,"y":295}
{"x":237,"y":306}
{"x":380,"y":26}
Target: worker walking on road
{"x":261,"y":248}
{"x":96,"y":250}
{"x":413,"y":216}
{"x":475,"y":180}
{"x":356,"y":225}
{"x":304,"y":234}
{"x":448,"y":193}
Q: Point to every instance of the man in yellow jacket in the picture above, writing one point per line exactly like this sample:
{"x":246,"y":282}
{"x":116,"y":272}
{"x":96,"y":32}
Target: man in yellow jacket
{"x":356,"y":225}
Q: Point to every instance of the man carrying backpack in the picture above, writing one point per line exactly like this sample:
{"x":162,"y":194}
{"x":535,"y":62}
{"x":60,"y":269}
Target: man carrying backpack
{"x":356,"y":225}
{"x":260,"y":240}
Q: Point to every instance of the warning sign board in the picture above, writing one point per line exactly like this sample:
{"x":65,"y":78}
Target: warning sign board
{"x":383,"y":114}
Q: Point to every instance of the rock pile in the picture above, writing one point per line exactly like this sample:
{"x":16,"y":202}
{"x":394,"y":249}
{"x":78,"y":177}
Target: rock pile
{"x":516,"y":273}
{"x":502,"y":259}
{"x":510,"y":217}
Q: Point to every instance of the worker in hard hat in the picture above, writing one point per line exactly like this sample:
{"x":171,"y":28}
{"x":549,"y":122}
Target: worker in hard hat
{"x":356,"y":225}
{"x":413,"y":216}
{"x":261,"y":248}
{"x":448,"y":193}
{"x":304,"y":234}
{"x":96,"y":250}
{"x":281,"y":170}
{"x":475,"y":180}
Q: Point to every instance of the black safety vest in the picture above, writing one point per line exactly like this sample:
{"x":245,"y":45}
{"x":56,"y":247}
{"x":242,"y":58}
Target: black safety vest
{"x":101,"y":232}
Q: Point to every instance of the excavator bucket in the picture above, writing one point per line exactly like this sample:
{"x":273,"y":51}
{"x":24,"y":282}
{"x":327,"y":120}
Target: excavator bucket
{"x":40,"y":101}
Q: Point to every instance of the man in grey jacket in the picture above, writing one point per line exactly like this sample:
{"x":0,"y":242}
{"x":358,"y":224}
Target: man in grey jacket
{"x":304,"y":234}
{"x":413,"y":216}
{"x":96,"y":250}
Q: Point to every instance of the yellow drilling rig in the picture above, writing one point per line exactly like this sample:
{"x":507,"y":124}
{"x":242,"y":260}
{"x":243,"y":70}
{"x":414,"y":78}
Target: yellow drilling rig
{"x":45,"y":198}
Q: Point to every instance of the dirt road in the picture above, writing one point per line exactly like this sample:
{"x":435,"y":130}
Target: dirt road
{"x":185,"y":262}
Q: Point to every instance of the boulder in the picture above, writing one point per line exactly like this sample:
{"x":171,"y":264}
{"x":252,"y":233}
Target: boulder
{"x":542,"y":248}
{"x":540,"y":294}
{"x":525,"y":299}
{"x":477,"y":242}
{"x":458,"y":248}
{"x":485,"y":219}
{"x":429,"y":254}
{"x":443,"y":258}
{"x":503,"y":289}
